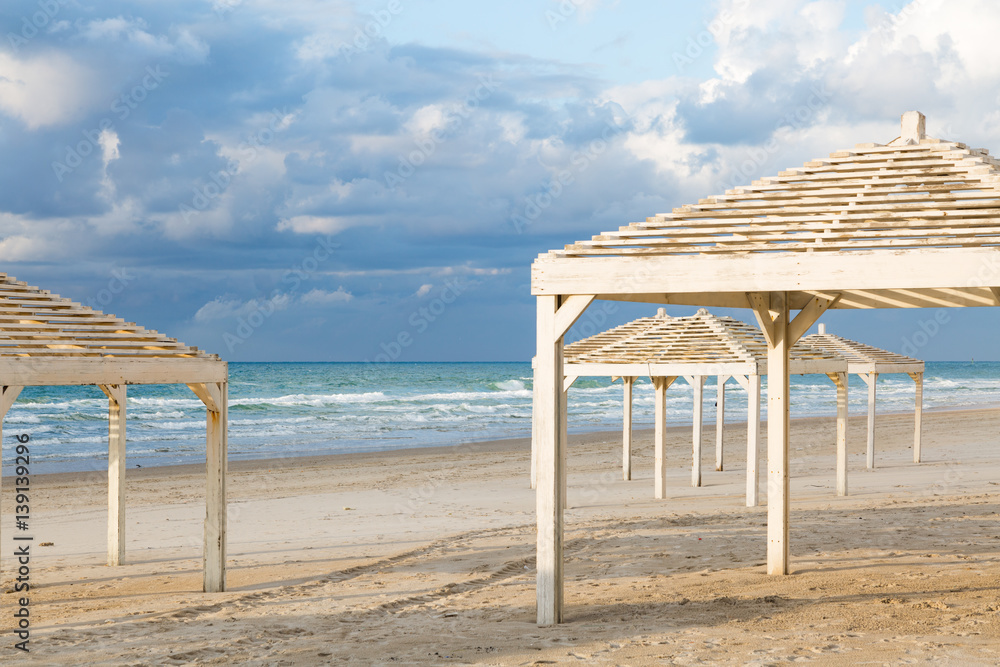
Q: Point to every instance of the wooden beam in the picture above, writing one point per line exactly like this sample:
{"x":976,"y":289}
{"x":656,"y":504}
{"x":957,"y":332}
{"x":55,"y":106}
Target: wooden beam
{"x":569,"y":380}
{"x":996,"y":294}
{"x":720,"y":419}
{"x":627,"y":429}
{"x":116,"y":472}
{"x":216,"y":463}
{"x":777,"y":438}
{"x":44,"y":371}
{"x":202,"y":391}
{"x":808,"y":316}
{"x":760,"y":303}
{"x":570,"y":310}
{"x":548,"y":496}
{"x":885,"y":269}
{"x":918,"y":409}
{"x":840,"y":380}
{"x":753,"y":440}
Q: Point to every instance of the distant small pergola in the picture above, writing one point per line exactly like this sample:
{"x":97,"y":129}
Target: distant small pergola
{"x":665,"y":348}
{"x":868,"y":363}
{"x":914,"y":223}
{"x":46,"y":340}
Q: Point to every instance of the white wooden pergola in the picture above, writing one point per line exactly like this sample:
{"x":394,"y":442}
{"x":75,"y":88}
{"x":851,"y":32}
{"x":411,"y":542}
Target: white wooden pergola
{"x":914,"y":223}
{"x":868,"y":363}
{"x":46,"y":340}
{"x":694,"y":347}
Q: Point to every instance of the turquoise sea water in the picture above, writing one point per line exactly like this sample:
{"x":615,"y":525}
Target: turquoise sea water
{"x":296,"y":409}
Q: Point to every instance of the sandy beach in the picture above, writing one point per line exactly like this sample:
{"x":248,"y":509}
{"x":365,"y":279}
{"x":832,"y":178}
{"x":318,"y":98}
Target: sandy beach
{"x":427,"y":557}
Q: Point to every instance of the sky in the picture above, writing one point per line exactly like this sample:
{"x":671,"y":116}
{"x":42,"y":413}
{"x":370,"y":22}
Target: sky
{"x":358,"y":181}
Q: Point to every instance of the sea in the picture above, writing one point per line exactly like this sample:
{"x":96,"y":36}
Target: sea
{"x":300,"y":409}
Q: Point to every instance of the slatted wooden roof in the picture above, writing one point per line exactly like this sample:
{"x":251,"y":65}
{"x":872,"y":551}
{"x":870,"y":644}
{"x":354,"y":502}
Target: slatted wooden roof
{"x":863,"y":358}
{"x":701,"y":344}
{"x":934,"y":193}
{"x":912,"y":223}
{"x":46,"y":339}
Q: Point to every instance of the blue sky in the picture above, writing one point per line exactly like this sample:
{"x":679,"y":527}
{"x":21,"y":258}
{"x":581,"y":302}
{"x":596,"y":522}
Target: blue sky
{"x":305,"y":180}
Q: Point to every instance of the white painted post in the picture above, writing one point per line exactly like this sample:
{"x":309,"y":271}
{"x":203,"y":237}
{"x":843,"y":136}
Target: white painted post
{"x":659,"y":439}
{"x":548,"y":496}
{"x":872,"y":382}
{"x":840,"y":379}
{"x":116,"y":394}
{"x":777,"y":437}
{"x":918,"y":410}
{"x":698,"y":387}
{"x":564,"y":445}
{"x":627,"y":429}
{"x":534,"y":424}
{"x":720,"y":418}
{"x":753,"y":441}
{"x":216,"y":462}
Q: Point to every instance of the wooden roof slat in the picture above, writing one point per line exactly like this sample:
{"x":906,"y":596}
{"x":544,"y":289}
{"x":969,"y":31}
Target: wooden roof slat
{"x":38,"y":323}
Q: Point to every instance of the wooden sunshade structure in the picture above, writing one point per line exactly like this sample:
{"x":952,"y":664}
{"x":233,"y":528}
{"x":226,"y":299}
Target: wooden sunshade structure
{"x":46,"y":340}
{"x":868,"y":363}
{"x":666,"y":348}
{"x":911,"y":224}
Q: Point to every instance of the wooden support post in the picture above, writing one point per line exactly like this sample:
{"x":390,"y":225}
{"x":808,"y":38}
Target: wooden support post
{"x":555,"y":317}
{"x":753,"y":441}
{"x":215,"y":396}
{"x":534,"y":425}
{"x":7,"y":397}
{"x":918,"y":409}
{"x":720,"y":419}
{"x":698,"y":389}
{"x":659,"y":439}
{"x":871,"y":379}
{"x":627,"y":429}
{"x":772,"y":313}
{"x":840,"y":379}
{"x":563,"y":445}
{"x":660,"y":384}
{"x":215,"y":508}
{"x":116,"y":394}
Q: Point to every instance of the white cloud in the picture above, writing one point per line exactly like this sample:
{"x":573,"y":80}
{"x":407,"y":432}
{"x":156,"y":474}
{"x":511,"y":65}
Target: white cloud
{"x":313,"y":224}
{"x":50,"y":89}
{"x":224,"y":308}
{"x":318,"y":297}
{"x":424,"y":290}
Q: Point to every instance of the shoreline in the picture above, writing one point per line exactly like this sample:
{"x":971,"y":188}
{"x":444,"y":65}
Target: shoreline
{"x":246,"y":465}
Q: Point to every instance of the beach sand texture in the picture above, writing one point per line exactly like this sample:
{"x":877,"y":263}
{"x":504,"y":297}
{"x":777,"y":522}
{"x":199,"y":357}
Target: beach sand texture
{"x":427,"y":557}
